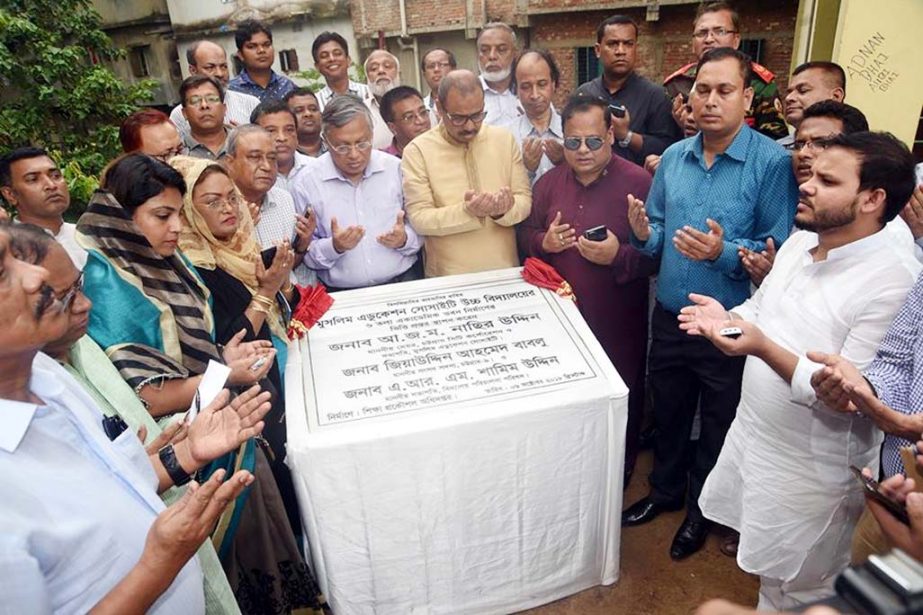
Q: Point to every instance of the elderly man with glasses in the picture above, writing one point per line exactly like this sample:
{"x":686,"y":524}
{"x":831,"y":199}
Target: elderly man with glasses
{"x":465,"y":185}
{"x":354,"y":190}
{"x":717,"y":24}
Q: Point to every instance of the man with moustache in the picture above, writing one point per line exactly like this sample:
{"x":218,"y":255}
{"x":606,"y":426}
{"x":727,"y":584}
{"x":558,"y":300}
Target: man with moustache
{"x":727,"y":187}
{"x":436,"y":63}
{"x":835,"y":287}
{"x":609,"y":276}
{"x":717,"y":24}
{"x":538,"y":130}
{"x":331,"y":58}
{"x":811,"y":82}
{"x":361,"y":238}
{"x":254,"y":49}
{"x":303,"y":103}
{"x":496,"y":44}
{"x":382,"y":72}
{"x":32,"y":183}
{"x":204,"y":110}
{"x":207,"y":58}
{"x":465,"y":186}
{"x":646,"y":128}
{"x":61,"y":469}
{"x":407,"y":117}
{"x":251,"y":162}
{"x":279,"y":121}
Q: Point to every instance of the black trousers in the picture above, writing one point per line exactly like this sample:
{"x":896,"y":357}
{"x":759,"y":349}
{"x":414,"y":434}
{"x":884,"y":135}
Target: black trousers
{"x":682,"y":370}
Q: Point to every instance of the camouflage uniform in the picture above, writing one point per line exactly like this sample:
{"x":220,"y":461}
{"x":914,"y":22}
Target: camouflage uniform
{"x":765,"y":114}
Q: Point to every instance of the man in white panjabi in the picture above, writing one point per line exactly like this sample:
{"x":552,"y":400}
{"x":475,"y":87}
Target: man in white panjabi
{"x":782,"y":478}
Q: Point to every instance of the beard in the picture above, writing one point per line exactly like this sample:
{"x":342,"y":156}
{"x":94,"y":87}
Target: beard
{"x":493,"y":76}
{"x":826,"y":220}
{"x":381,"y":87}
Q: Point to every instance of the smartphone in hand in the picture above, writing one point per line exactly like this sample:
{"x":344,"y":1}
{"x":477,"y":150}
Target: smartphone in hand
{"x":597,"y":233}
{"x":870,"y":487}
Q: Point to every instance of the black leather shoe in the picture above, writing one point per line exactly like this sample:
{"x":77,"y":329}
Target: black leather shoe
{"x":689,"y":538}
{"x":645,"y":510}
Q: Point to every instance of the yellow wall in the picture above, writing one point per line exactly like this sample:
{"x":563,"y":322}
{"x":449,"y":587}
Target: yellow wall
{"x":878,"y":46}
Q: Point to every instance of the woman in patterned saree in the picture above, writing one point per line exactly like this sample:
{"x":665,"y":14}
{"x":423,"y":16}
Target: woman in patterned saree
{"x":152,"y":315}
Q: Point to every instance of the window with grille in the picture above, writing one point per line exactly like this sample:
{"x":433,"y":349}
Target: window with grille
{"x":588,"y":67}
{"x":140,"y":64}
{"x":288,"y":60}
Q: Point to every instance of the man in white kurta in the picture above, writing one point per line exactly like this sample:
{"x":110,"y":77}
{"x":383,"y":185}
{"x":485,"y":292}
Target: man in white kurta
{"x":783,"y":479}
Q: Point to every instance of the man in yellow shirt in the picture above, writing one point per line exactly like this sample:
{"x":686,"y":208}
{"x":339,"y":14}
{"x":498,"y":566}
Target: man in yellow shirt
{"x":465,"y":186}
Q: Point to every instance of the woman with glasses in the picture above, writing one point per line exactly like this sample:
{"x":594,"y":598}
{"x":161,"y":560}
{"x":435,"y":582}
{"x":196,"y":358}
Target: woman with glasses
{"x":152,"y":316}
{"x":217,"y":237}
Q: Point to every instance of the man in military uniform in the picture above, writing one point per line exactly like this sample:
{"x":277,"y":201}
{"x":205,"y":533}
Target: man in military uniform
{"x":717,"y":24}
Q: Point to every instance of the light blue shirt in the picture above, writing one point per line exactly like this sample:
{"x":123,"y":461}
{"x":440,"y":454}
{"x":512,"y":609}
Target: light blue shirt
{"x":749,"y":190}
{"x":76,"y":507}
{"x":372,"y":204}
{"x":523,"y":129}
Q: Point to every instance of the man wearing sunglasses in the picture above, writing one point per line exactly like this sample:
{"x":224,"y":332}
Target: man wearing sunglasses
{"x":717,"y":24}
{"x":465,"y":185}
{"x":726,"y":188}
{"x":609,"y":276}
{"x":32,"y":183}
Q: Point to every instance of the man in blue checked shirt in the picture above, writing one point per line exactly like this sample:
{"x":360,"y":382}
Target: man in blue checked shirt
{"x":725,"y":188}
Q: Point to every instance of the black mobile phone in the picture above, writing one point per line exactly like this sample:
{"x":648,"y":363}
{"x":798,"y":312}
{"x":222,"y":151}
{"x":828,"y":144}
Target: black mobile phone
{"x":268,"y":255}
{"x":597,"y":233}
{"x":617,"y":110}
{"x":871,"y":489}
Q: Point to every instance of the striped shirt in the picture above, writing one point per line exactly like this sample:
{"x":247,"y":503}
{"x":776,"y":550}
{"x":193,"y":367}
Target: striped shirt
{"x":896,"y":373}
{"x":237,"y":110}
{"x":357,"y":89}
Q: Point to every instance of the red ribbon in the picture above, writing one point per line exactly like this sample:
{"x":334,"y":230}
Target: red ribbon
{"x":313,"y":305}
{"x":539,"y":273}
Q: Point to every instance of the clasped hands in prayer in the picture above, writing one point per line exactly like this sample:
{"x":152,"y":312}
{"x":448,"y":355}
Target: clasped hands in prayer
{"x":533,"y":148}
{"x":493,"y":204}
{"x":561,"y":236}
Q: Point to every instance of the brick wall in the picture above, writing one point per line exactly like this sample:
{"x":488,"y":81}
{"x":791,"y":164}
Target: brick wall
{"x":664,"y":45}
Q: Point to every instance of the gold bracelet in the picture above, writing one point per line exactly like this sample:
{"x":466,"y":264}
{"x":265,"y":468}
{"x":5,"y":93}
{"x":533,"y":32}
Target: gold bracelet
{"x":265,"y":301}
{"x":288,"y":287}
{"x":257,"y":307}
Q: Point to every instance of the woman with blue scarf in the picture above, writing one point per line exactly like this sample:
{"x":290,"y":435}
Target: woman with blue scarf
{"x":152,"y":316}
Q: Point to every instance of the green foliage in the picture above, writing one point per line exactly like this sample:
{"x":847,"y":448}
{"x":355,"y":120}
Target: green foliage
{"x":315,"y":81}
{"x":51,"y":92}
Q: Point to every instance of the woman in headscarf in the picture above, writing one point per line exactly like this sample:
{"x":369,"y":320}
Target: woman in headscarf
{"x":217,"y":237}
{"x":151,"y":315}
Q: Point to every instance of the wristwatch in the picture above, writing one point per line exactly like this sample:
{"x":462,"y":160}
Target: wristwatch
{"x":627,"y":140}
{"x":171,"y":464}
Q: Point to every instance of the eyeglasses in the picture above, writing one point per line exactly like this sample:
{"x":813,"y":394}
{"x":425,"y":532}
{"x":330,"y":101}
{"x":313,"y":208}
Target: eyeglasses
{"x":435,"y":65}
{"x":410,"y":116}
{"x":461,"y":120}
{"x":165,"y":156}
{"x":818,"y":145}
{"x":715,"y":32}
{"x":592,"y":143}
{"x":345,"y":148}
{"x":195,"y":101}
{"x":219,"y":204}
{"x":71,"y":294}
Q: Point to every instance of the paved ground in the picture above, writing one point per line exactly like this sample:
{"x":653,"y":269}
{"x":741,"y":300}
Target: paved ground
{"x":650,"y":582}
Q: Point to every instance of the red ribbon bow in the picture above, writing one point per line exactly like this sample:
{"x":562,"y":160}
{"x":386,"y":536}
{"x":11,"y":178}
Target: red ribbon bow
{"x":313,"y":305}
{"x":539,"y":273}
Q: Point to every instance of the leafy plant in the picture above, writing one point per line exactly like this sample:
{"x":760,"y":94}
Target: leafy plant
{"x":56,"y":90}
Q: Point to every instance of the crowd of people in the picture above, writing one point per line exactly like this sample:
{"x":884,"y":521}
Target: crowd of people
{"x":794,"y":239}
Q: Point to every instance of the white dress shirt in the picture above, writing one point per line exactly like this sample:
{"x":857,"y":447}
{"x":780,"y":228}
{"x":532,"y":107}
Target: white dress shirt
{"x":522,"y":128}
{"x":783,"y":477}
{"x":325,"y":94}
{"x":77,"y":508}
{"x":277,"y":222}
{"x":430,"y":102}
{"x":373,"y":204}
{"x":237,"y":109}
{"x":381,"y":134}
{"x":502,"y":107}
{"x":67,"y":237}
